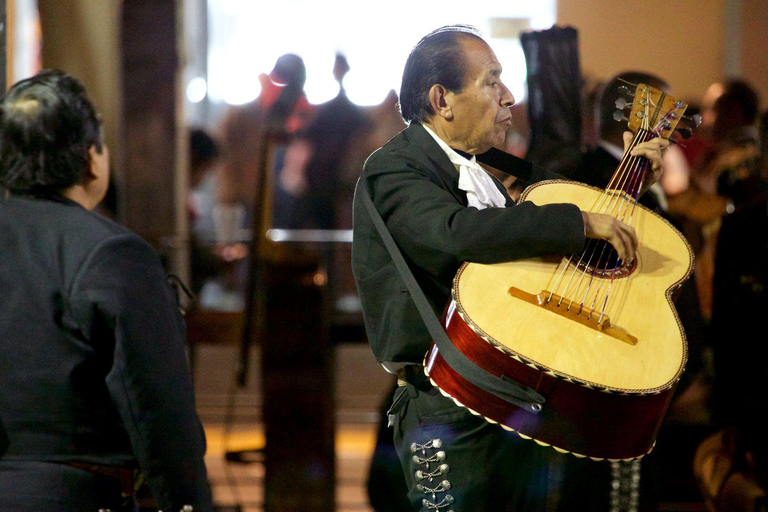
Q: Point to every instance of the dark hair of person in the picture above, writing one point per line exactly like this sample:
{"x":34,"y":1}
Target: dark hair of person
{"x":202,"y":147}
{"x":290,"y":71}
{"x":438,"y":58}
{"x":736,"y":107}
{"x":47,"y":126}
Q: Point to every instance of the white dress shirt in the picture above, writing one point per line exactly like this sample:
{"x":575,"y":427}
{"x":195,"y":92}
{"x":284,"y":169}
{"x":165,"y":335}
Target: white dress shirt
{"x":480,"y":186}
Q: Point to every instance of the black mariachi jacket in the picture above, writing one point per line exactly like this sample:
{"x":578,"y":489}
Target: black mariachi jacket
{"x":414,"y":187}
{"x":92,"y":361}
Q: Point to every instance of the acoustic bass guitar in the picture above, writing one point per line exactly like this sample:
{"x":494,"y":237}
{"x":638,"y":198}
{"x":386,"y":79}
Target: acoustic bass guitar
{"x":597,"y":337}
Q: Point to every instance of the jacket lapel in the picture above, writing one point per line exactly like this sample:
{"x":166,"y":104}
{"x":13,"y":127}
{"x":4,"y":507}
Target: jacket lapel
{"x":442,"y":166}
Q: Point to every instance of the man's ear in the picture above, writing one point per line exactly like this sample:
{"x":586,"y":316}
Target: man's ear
{"x":92,"y":170}
{"x":440,"y":101}
{"x":98,"y":163}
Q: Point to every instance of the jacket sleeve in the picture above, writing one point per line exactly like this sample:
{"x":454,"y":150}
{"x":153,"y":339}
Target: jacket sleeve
{"x":424,"y":217}
{"x":135,"y":319}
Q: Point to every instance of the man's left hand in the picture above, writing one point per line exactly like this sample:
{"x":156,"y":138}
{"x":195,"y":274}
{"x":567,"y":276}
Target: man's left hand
{"x":651,"y":150}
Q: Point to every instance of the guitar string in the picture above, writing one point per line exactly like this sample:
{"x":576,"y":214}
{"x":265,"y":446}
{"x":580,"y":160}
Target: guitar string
{"x":581,"y":263}
{"x":630,"y":196}
{"x":619,"y":203}
{"x":622,"y":174}
{"x":643,"y":165}
{"x":625,"y":172}
{"x":601,"y":199}
{"x":638,"y":178}
{"x":600,"y":204}
{"x":630,"y":193}
{"x":627,"y":194}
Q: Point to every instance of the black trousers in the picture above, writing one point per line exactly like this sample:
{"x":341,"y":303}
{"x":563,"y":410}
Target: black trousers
{"x":30,"y":486}
{"x":456,"y":461}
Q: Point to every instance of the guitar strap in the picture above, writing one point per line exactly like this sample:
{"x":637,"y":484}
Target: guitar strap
{"x":506,"y":163}
{"x":502,"y":387}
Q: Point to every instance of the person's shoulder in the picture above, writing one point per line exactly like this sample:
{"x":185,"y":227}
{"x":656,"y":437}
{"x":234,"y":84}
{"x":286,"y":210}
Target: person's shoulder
{"x":67,"y":235}
{"x":106,"y":225}
{"x":108,"y":234}
{"x":57,"y":214}
{"x":406,"y":146}
{"x":88,"y":229}
{"x":395,"y":144}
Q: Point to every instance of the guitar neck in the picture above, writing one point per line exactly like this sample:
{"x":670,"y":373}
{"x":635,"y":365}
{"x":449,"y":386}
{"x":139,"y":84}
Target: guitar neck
{"x":630,"y":174}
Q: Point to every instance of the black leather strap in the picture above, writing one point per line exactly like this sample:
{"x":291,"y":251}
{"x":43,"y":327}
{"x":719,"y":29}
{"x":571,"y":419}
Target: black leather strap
{"x":507,"y":163}
{"x":502,"y":387}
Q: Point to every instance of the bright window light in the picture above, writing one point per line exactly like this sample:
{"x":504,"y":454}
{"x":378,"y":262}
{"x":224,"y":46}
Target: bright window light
{"x":196,"y":90}
{"x":247,"y":37}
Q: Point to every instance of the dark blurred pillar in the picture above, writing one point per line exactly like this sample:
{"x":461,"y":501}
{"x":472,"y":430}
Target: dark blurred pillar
{"x":286,"y":314}
{"x":298,"y":381}
{"x":3,"y":46}
{"x":149,"y":67}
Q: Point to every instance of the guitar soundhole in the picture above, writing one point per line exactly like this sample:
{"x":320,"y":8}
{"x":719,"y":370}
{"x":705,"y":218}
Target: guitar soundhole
{"x":599,"y":257}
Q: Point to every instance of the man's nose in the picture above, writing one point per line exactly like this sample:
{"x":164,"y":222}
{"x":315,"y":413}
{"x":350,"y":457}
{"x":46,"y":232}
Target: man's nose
{"x":507,"y":99}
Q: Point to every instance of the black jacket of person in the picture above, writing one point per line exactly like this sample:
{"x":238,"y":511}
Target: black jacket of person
{"x":414,"y":187}
{"x":92,"y":361}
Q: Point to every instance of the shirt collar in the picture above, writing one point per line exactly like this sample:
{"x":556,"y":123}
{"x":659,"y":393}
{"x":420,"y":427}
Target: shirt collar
{"x":453,"y":156}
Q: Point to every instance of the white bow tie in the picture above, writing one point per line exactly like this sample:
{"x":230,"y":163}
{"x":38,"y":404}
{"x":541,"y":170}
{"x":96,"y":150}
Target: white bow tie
{"x":479,"y":185}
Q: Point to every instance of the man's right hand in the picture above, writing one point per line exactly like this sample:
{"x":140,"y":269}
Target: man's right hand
{"x":621,"y":236}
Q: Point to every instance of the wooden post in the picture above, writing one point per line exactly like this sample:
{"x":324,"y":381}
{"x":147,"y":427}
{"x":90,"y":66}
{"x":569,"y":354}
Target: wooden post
{"x":3,"y":46}
{"x":297,"y":379}
{"x":286,"y":303}
{"x":149,"y":71}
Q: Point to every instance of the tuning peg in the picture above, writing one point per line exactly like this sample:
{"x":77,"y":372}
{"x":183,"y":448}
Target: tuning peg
{"x":619,"y":116}
{"x":626,"y":90}
{"x":695,"y":120}
{"x":685,"y":132}
{"x":621,"y":103}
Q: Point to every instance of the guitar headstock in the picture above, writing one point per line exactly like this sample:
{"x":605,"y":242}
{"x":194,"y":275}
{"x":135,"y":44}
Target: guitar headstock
{"x":655,"y":111}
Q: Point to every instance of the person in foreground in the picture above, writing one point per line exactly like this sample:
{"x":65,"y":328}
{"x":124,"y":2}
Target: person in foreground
{"x":94,"y":378}
{"x":443,"y":209}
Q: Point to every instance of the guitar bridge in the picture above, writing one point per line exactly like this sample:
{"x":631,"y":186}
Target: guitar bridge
{"x":577,"y":313}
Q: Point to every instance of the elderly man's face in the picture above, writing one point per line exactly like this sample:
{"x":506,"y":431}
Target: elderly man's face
{"x":481,"y":110}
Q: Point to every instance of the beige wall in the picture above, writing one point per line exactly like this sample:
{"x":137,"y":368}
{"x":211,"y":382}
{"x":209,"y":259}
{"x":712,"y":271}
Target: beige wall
{"x":681,"y":41}
{"x":685,"y":41}
{"x":754,"y":46}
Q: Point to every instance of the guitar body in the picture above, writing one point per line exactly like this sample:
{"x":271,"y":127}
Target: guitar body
{"x":606,"y":367}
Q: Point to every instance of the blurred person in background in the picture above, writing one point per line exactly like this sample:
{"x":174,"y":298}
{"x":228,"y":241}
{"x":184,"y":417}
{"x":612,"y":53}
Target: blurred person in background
{"x":280,"y":110}
{"x":731,"y":466}
{"x":282,"y":106}
{"x":724,"y":177}
{"x":204,"y":176}
{"x":316,"y":173}
{"x":96,"y":391}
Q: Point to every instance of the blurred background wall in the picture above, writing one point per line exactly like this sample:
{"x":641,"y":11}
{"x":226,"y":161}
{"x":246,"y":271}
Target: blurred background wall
{"x":691,"y":43}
